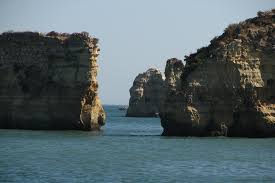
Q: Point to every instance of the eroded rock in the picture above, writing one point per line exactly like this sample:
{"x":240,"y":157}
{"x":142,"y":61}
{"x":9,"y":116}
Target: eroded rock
{"x":49,"y":81}
{"x":227,"y":87}
{"x":146,"y":94}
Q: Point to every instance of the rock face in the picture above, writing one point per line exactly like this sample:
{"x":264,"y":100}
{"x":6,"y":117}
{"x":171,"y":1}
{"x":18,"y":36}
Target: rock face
{"x":227,"y":88}
{"x":49,"y":81}
{"x":146,"y":94}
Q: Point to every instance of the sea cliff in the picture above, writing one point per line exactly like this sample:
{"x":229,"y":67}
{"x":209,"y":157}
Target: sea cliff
{"x":48,"y":81}
{"x":146,"y":94}
{"x":226,"y":88}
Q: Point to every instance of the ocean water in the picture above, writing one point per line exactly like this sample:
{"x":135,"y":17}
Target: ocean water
{"x":132,"y":150}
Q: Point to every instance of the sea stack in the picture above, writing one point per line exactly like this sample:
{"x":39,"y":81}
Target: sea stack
{"x":226,"y":88}
{"x":48,"y":81}
{"x":146,"y":94}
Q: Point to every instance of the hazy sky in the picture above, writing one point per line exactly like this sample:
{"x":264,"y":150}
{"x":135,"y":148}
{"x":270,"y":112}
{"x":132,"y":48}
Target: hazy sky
{"x":134,"y":35}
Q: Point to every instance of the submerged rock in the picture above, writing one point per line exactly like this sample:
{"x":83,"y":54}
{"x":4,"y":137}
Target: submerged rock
{"x":146,"y":94}
{"x":49,"y":81}
{"x":227,"y":88}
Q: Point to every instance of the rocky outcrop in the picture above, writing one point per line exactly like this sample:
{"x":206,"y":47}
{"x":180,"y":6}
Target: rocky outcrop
{"x":48,"y":81}
{"x":146,"y":94}
{"x":227,"y":88}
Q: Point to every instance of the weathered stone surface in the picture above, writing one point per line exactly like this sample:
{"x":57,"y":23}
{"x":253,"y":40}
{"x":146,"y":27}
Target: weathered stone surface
{"x":49,"y":81}
{"x":146,"y":94}
{"x":227,"y":88}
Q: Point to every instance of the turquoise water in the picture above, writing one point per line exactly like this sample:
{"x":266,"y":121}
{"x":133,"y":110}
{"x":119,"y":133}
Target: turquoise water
{"x":131,"y":150}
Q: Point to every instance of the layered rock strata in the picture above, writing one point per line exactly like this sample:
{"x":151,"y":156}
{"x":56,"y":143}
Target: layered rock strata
{"x":146,"y":94}
{"x":48,"y":81}
{"x":226,"y":88}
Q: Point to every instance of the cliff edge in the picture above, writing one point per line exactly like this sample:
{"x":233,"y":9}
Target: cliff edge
{"x":226,"y":88}
{"x":48,"y":81}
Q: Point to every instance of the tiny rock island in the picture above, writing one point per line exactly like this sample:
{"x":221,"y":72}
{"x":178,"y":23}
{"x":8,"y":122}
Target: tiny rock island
{"x":226,"y":88}
{"x":146,"y":94}
{"x":48,"y":81}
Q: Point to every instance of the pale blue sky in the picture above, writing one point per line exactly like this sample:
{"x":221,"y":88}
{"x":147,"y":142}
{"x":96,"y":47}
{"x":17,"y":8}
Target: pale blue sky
{"x":134,"y":35}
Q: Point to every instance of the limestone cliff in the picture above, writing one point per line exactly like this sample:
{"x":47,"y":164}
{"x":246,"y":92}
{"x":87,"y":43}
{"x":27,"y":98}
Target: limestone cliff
{"x":146,"y":94}
{"x":227,"y":88}
{"x":48,"y":81}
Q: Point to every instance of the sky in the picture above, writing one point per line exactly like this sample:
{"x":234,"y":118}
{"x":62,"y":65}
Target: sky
{"x":134,"y":35}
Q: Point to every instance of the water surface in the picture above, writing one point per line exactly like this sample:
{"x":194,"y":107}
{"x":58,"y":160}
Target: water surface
{"x":131,"y":150}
